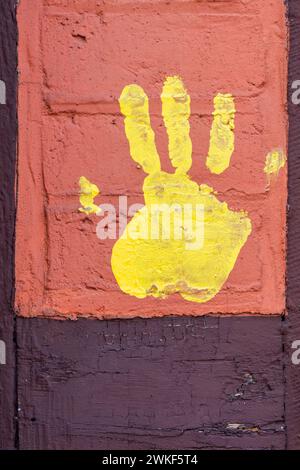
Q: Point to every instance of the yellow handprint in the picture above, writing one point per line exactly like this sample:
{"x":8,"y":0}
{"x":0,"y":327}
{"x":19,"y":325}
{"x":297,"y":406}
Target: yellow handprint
{"x":195,"y":252}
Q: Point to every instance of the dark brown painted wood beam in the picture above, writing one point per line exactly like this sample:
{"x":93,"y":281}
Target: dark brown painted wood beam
{"x":8,"y":133}
{"x":292,"y":322}
{"x":170,"y":383}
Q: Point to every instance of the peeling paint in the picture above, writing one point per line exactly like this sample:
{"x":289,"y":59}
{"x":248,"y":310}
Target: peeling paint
{"x":242,"y":427}
{"x":88,"y":192}
{"x":221,"y":144}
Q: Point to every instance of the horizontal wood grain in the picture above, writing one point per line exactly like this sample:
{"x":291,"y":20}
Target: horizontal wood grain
{"x":180,"y":383}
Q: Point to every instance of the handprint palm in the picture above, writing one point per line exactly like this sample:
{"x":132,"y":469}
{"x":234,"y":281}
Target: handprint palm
{"x":163,"y":265}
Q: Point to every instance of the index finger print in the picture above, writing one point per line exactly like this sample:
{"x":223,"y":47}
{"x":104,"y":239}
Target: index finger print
{"x":134,"y":106}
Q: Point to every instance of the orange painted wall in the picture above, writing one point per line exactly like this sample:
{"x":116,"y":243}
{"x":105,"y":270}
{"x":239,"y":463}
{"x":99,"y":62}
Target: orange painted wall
{"x":75,"y":57}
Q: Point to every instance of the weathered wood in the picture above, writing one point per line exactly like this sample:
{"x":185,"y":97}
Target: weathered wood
{"x":197,"y":383}
{"x":8,"y":131}
{"x":292,"y":323}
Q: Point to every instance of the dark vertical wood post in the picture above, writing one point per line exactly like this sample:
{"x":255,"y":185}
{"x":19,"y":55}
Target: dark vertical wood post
{"x":293,"y":259}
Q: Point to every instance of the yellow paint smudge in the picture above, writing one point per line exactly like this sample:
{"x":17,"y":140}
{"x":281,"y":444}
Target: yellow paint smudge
{"x":88,"y":192}
{"x":275,"y":160}
{"x":176,"y":112}
{"x":222,"y":134}
{"x":158,"y":266}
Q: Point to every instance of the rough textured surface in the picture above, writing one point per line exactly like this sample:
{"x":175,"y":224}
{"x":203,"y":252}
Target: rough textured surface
{"x":163,"y":383}
{"x":292,"y":323}
{"x":8,"y":132}
{"x":183,"y":383}
{"x":75,"y":59}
